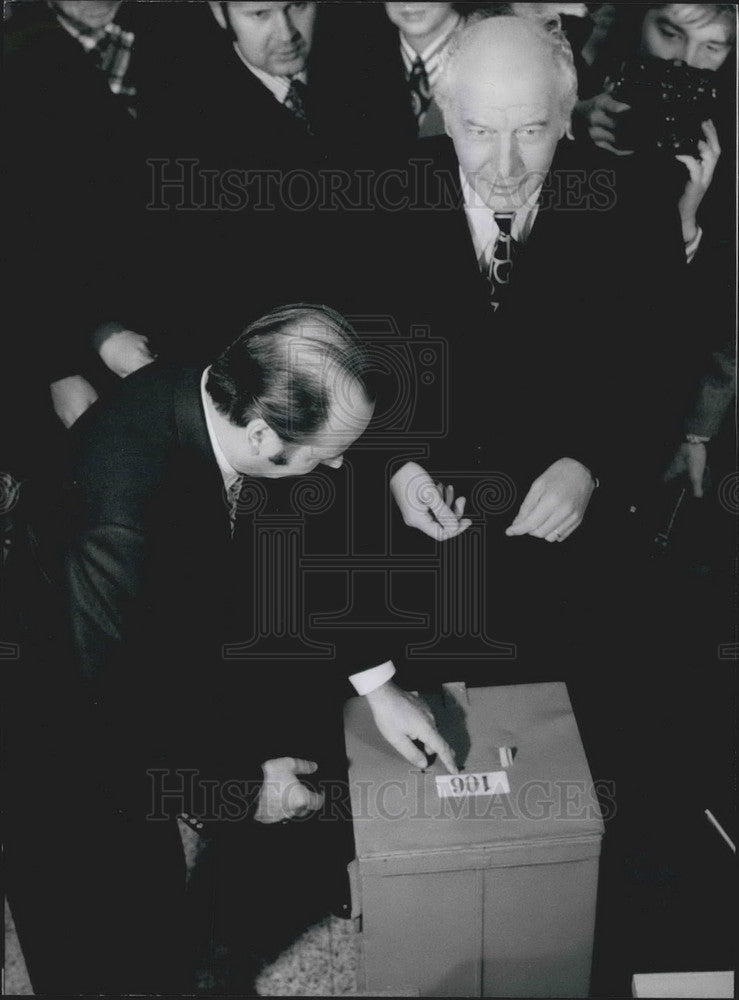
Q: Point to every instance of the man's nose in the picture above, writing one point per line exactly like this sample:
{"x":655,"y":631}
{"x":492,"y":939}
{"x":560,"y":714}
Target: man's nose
{"x":509,"y":158}
{"x":334,"y":463}
{"x":694,"y":55}
{"x":286,"y":27}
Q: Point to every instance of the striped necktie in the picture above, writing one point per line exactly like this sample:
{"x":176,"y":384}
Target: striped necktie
{"x":501,"y":259}
{"x":295,"y":101}
{"x":233,"y":492}
{"x":418,"y":82}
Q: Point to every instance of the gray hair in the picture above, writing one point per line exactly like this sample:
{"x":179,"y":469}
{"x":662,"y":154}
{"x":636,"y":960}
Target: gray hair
{"x":546,"y":31}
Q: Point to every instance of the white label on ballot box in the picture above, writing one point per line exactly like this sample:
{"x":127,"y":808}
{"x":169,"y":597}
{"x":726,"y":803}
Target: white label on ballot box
{"x":461,"y":785}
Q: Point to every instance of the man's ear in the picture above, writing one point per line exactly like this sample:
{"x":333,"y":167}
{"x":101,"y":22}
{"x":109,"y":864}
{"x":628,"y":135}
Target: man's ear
{"x":263,"y":441}
{"x":217,"y":10}
{"x":567,"y":131}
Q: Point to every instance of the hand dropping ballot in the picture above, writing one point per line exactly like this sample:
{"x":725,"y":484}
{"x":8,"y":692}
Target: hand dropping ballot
{"x":488,"y":777}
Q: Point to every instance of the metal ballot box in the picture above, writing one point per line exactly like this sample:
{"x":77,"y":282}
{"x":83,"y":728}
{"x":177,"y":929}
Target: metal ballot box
{"x":483,"y":884}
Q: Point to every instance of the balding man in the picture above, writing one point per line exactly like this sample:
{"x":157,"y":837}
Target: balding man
{"x":160,"y":578}
{"x":552,"y":280}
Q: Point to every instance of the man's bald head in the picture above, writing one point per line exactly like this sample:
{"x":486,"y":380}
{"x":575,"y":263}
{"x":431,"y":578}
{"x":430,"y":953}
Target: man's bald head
{"x":496,"y":52}
{"x":507,"y":92}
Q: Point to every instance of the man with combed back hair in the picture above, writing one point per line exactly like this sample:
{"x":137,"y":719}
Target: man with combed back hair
{"x":159,"y":580}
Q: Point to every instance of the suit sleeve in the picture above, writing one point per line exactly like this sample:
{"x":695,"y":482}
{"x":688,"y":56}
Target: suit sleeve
{"x":138,"y":720}
{"x":623,"y":420}
{"x":715,"y":391}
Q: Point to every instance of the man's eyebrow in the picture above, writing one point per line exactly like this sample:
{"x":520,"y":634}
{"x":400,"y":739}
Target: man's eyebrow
{"x":663,"y":19}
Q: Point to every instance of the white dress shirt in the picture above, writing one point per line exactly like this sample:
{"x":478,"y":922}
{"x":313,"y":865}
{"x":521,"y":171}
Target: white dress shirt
{"x":483,"y":227}
{"x":365,"y":680}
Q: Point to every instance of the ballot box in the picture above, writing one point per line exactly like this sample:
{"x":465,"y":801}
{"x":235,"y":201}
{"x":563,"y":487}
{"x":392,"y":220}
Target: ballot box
{"x":482,"y":884}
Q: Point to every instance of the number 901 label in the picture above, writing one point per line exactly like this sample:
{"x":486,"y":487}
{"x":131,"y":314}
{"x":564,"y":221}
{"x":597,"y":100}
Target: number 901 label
{"x":461,"y":785}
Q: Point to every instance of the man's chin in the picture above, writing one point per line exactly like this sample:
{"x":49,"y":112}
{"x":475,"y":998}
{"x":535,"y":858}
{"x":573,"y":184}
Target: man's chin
{"x":503,"y":203}
{"x":287,"y":67}
{"x":508,"y":197}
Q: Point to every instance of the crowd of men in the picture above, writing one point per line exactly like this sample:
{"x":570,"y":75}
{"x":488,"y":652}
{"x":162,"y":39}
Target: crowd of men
{"x":245,"y":239}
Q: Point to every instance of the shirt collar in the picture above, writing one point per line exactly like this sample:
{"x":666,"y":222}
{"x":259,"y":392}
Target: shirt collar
{"x":481,"y":221}
{"x":227,"y":471}
{"x":277,"y":85}
{"x":432,"y":48}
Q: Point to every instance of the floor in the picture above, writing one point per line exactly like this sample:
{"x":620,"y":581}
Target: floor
{"x":322,"y":961}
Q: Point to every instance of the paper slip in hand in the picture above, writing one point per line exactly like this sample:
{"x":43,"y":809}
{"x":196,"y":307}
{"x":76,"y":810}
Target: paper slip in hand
{"x":461,"y":785}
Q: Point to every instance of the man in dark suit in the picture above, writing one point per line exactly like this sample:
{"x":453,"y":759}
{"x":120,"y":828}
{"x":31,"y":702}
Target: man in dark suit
{"x":542,"y":354}
{"x":74,"y":76}
{"x":561,"y":360}
{"x":236,"y":92}
{"x":240,"y":101}
{"x":163,"y":589}
{"x":547,"y":276}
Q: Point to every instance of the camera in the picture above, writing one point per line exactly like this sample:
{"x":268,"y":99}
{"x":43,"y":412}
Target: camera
{"x":668,"y":99}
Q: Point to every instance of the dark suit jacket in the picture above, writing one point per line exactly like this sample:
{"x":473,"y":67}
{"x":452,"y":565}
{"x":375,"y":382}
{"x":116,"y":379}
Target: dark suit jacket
{"x":588,"y":355}
{"x":156,"y":587}
{"x":206,"y":103}
{"x":204,"y":246}
{"x":359,"y":48}
{"x":71,"y":183}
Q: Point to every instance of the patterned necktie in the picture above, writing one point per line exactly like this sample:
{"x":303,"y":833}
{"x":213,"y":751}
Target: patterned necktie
{"x":232,"y":499}
{"x":418,"y":82}
{"x":295,"y":101}
{"x":501,"y":259}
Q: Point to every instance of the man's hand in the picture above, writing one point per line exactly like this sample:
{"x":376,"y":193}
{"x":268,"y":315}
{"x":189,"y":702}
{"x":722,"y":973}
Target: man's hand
{"x":598,"y":117}
{"x":556,"y":503}
{"x":124,"y":352}
{"x":426,"y":505}
{"x":70,"y":397}
{"x":700,"y":171}
{"x":401,"y":718}
{"x":690,"y":458}
{"x":283,"y":795}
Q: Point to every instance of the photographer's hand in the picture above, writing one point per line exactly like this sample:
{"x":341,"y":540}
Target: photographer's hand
{"x":690,"y":459}
{"x":597,"y":116}
{"x":700,"y":171}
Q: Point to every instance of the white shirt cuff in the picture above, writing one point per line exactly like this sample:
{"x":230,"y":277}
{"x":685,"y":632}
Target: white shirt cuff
{"x":370,"y":679}
{"x":691,"y":249}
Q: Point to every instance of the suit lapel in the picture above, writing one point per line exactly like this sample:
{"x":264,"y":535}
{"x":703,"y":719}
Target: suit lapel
{"x":470,"y":287}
